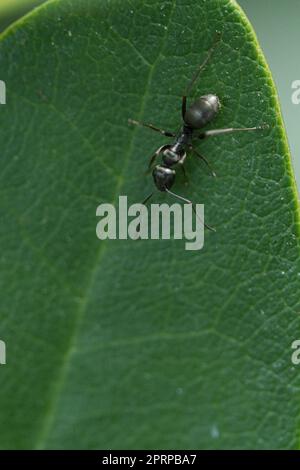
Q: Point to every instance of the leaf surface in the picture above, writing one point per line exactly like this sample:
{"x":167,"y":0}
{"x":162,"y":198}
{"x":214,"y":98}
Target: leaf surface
{"x":123,"y":344}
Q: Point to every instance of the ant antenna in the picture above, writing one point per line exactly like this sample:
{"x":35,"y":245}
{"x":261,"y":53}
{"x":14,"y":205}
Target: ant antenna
{"x":144,"y":202}
{"x":194,"y":210}
{"x":147,"y":199}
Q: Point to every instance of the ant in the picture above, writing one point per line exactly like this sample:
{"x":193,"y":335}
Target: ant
{"x":202,"y":111}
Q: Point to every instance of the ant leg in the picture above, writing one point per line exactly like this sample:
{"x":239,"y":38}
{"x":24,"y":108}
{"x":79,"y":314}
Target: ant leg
{"x":194,"y":210}
{"x":150,"y":126}
{"x":155,"y":155}
{"x":200,"y":69}
{"x":203,"y":159}
{"x":181,"y":164}
{"x":186,"y":180}
{"x":183,"y":107}
{"x":230,"y":130}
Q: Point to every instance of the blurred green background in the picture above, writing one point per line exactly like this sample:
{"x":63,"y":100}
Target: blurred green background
{"x":277,"y":26}
{"x":11,"y":10}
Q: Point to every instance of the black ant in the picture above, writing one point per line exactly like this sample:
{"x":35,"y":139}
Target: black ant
{"x":201,"y":112}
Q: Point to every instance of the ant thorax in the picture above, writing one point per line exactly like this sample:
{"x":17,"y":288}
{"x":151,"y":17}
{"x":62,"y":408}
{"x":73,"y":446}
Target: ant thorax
{"x":173,"y":154}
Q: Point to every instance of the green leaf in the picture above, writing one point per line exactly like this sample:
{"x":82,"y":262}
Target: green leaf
{"x":124,"y":344}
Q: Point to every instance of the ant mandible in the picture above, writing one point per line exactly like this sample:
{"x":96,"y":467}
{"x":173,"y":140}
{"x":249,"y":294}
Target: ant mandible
{"x":195,"y":117}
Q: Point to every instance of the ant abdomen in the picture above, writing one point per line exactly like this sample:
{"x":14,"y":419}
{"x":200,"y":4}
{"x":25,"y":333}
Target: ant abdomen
{"x":202,"y":111}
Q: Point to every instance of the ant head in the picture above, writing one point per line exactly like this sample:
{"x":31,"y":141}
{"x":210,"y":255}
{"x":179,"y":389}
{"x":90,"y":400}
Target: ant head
{"x":163,"y":177}
{"x":202,"y":111}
